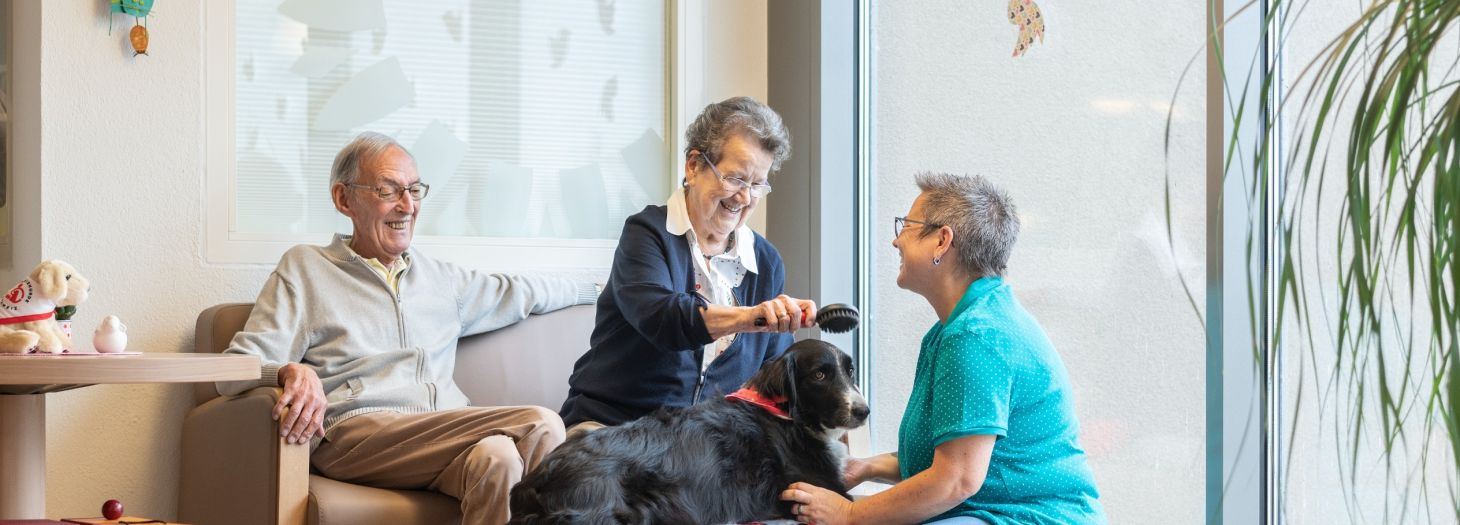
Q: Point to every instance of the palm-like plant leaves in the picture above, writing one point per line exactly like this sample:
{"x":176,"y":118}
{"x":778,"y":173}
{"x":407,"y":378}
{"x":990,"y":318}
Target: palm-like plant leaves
{"x":1385,"y":89}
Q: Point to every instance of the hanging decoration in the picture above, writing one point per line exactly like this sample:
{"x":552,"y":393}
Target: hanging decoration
{"x":138,"y":10}
{"x":1026,"y":15}
{"x":139,"y":40}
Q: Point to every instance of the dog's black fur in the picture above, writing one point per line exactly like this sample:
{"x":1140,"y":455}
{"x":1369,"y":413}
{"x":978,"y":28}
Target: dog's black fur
{"x":721,"y":461}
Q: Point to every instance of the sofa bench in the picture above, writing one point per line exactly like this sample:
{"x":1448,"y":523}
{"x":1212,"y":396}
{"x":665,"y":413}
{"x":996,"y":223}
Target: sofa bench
{"x":236,"y":469}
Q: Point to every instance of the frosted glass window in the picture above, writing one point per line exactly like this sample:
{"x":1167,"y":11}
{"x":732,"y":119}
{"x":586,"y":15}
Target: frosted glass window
{"x":536,"y":120}
{"x":1073,"y":128}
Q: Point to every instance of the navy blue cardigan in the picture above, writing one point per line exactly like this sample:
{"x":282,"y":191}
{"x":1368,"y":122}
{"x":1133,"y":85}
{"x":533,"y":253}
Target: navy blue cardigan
{"x":649,"y":337}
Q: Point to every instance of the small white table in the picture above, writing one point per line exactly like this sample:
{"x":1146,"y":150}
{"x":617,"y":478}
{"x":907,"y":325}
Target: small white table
{"x":25,"y":381}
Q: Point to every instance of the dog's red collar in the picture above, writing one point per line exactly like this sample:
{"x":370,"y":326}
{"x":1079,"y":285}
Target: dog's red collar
{"x":27,"y":318}
{"x":769,"y":404}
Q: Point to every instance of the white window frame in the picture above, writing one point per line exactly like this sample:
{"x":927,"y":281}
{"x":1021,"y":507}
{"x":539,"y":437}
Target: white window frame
{"x":223,"y":244}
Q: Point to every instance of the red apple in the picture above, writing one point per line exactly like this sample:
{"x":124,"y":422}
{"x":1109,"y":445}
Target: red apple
{"x":112,"y":509}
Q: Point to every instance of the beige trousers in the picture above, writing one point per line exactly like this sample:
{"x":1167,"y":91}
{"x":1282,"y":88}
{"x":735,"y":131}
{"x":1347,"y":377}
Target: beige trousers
{"x":474,"y":454}
{"x":584,"y":427}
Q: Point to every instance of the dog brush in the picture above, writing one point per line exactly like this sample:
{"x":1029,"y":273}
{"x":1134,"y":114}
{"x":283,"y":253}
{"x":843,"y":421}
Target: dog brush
{"x":836,"y":318}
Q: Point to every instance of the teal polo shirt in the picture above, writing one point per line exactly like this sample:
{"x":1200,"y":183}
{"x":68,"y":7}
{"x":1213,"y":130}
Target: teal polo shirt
{"x":991,"y":370}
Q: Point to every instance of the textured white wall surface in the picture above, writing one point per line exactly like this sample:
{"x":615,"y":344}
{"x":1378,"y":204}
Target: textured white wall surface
{"x":121,"y":182}
{"x":121,"y":157}
{"x":1073,"y":130}
{"x":734,"y":64}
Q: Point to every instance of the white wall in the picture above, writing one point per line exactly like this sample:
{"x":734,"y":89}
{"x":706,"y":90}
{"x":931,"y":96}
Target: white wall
{"x":118,"y":196}
{"x":1073,"y":130}
{"x":113,"y":179}
{"x":732,"y":64}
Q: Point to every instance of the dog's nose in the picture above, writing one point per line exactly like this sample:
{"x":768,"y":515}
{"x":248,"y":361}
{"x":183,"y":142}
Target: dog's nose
{"x":860,"y":411}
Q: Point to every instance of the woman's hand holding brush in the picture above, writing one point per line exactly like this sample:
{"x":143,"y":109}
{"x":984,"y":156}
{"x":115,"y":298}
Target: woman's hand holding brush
{"x":833,"y":318}
{"x":782,"y":314}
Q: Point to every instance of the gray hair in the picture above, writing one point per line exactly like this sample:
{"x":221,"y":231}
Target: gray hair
{"x":984,"y":222}
{"x":721,"y":120}
{"x":365,"y":146}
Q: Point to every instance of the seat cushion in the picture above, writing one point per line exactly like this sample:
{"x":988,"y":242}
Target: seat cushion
{"x":336,"y":502}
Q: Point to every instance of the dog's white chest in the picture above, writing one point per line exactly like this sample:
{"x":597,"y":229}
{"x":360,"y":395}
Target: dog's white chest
{"x":835,"y":447}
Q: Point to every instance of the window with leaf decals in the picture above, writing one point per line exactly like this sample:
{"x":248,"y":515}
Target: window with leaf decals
{"x":533,"y":122}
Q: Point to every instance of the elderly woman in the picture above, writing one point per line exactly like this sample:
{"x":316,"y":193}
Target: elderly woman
{"x":989,"y":434}
{"x":693,"y":305}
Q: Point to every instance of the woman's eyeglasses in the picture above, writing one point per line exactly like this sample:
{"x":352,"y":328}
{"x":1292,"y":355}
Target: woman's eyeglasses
{"x":737,"y":185}
{"x":899,"y":222}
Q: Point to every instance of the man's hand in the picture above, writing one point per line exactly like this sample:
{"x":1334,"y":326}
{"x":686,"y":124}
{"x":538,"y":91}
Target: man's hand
{"x":302,"y":405}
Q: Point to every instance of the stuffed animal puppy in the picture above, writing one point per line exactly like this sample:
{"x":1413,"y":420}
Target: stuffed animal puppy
{"x":28,"y":311}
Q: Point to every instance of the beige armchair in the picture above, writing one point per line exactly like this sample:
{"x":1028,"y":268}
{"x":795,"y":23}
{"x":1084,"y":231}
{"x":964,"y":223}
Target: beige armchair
{"x":237,"y":470}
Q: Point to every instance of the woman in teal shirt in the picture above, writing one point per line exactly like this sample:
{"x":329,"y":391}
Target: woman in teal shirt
{"x":989,"y":434}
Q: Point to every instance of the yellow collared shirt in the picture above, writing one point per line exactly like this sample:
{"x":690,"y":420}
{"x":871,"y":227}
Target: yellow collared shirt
{"x":392,"y":273}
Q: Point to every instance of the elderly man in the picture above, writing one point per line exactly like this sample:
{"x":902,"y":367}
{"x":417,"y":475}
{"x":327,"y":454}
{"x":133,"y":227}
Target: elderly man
{"x":361,"y":334}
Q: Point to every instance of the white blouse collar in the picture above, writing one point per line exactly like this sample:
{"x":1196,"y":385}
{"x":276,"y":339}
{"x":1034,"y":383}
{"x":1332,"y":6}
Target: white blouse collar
{"x":677,"y":223}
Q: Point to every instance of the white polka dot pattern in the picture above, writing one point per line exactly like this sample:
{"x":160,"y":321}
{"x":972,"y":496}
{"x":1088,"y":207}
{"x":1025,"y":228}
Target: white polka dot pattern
{"x":716,"y":279}
{"x":992,"y":371}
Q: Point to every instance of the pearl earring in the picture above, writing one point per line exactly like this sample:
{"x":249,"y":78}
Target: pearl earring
{"x":937,"y":260}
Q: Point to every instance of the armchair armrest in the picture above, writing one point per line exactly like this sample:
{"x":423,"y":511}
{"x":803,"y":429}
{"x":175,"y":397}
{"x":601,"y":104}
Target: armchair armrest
{"x":236,"y":469}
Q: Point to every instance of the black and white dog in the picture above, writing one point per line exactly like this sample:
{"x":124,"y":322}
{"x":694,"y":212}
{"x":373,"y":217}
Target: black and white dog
{"x":722,"y":461}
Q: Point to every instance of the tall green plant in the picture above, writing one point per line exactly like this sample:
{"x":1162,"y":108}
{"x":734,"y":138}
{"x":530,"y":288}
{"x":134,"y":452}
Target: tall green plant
{"x":1382,"y":96}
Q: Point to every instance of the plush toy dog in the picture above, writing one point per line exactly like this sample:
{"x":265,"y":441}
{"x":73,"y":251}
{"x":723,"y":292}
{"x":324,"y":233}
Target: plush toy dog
{"x":28,"y":311}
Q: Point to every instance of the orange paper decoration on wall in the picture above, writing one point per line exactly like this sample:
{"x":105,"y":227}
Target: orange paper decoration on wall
{"x":1026,"y":15}
{"x":139,"y":40}
{"x":138,"y":10}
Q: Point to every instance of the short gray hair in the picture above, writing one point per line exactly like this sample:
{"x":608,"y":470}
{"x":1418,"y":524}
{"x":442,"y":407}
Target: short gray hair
{"x":984,"y":222}
{"x":721,"y":120}
{"x":364,"y":147}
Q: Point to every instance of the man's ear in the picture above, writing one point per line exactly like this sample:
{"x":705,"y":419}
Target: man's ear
{"x":339,"y":193}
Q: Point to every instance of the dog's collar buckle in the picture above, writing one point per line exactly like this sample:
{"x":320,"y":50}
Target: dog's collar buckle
{"x":771,"y":405}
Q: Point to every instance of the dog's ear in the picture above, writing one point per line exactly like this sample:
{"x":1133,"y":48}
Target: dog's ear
{"x":49,"y":278}
{"x":770,"y":380}
{"x":777,"y":379}
{"x":791,"y":403}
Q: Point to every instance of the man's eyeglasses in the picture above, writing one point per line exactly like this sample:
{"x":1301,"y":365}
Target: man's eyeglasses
{"x":734,"y":184}
{"x":899,"y":222}
{"x":390,"y":192}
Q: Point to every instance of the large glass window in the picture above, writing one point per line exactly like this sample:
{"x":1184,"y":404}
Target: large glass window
{"x":1364,"y":415}
{"x":535,"y":123}
{"x":1073,"y":127}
